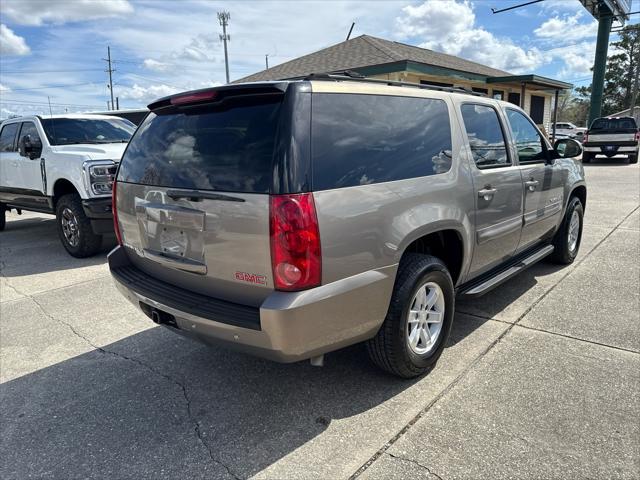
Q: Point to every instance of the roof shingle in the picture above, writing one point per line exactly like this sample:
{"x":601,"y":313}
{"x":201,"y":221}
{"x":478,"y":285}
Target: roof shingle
{"x":365,"y":51}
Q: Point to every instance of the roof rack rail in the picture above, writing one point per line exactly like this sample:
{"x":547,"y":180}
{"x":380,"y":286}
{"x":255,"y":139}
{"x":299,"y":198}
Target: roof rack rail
{"x":351,"y":76}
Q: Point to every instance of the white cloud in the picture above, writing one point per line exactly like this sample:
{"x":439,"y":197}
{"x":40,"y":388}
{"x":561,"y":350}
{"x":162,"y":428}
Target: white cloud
{"x":12,"y":44}
{"x":566,"y":29}
{"x":146,"y":94}
{"x":37,"y":12}
{"x":4,"y":89}
{"x":450,"y":26}
{"x":155,"y":65}
{"x":575,"y":60}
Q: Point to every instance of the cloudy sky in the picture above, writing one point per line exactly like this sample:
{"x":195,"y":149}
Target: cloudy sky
{"x":54,"y":48}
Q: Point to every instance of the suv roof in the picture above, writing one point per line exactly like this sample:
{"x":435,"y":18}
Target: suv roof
{"x":88,"y":116}
{"x":281,"y":85}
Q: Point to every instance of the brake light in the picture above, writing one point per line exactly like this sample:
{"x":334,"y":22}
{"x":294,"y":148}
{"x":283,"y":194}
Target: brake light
{"x":194,"y":97}
{"x":638,"y":136}
{"x":114,"y":211}
{"x":586,"y":137}
{"x":296,"y":258}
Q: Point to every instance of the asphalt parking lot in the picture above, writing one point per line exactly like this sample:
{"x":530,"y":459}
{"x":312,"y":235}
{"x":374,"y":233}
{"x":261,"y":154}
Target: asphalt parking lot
{"x":541,"y":378}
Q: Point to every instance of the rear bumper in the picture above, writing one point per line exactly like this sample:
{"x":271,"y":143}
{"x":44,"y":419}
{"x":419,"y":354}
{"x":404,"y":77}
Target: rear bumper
{"x":290,"y":326}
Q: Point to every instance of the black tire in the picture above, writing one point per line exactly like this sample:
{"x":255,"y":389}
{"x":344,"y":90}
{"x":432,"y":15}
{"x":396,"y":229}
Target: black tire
{"x":587,"y":157}
{"x":389,"y":349}
{"x":633,"y":158}
{"x":88,"y":243}
{"x":3,"y":217}
{"x":563,"y":253}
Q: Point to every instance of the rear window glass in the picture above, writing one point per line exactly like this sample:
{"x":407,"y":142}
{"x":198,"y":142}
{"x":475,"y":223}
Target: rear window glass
{"x":206,"y":148}
{"x":614,"y":124}
{"x":364,"y":139}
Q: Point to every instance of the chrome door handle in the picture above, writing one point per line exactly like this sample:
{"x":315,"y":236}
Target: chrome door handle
{"x":532,"y":184}
{"x":487,"y":193}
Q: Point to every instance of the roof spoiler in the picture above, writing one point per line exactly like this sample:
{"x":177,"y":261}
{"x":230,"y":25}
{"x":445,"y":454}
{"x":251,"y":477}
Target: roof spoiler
{"x":218,"y":94}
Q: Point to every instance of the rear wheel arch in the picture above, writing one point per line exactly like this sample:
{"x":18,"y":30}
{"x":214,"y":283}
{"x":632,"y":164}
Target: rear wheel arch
{"x":446,"y":244}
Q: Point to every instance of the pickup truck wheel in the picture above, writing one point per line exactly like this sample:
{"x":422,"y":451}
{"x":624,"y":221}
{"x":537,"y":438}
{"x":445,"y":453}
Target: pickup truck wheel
{"x":3,"y":217}
{"x":74,"y":227}
{"x":567,"y":238}
{"x":587,"y":157}
{"x":419,"y":319}
{"x":633,"y":158}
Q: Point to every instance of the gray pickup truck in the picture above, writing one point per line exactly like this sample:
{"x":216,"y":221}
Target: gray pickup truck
{"x":289,"y":219}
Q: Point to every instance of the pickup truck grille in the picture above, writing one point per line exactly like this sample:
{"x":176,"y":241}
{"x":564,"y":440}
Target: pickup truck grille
{"x":186,"y":301}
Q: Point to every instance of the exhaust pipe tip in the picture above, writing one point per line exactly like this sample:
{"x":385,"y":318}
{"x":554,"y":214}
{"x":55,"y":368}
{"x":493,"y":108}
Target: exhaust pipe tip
{"x":155,"y":316}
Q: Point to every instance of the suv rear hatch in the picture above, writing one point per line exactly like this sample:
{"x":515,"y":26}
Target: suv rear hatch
{"x":193,"y":190}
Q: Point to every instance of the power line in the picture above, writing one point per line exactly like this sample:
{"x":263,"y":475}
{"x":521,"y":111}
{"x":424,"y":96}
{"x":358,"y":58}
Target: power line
{"x":4,"y":72}
{"x":50,"y":86}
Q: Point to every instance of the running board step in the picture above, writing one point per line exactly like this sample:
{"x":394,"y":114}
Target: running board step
{"x":479,"y":289}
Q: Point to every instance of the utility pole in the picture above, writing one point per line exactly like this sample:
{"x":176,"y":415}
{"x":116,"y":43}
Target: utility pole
{"x":117,"y":103}
{"x":605,"y":19}
{"x":223,"y":18}
{"x":266,"y":61}
{"x":110,"y":70}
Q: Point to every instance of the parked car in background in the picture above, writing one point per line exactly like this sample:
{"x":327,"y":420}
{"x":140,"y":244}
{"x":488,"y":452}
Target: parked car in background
{"x":569,"y":129}
{"x":611,"y":136}
{"x":63,"y":165}
{"x":290,"y":219}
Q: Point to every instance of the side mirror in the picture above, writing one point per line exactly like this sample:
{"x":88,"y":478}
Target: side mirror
{"x":566,"y":148}
{"x":29,"y":148}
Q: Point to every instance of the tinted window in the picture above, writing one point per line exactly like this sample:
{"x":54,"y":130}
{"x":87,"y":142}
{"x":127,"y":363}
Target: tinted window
{"x":69,"y":131}
{"x":29,"y":128}
{"x":363,"y":139}
{"x":529,"y":143}
{"x":614,"y":124}
{"x":227,"y":149}
{"x":8,"y":136}
{"x":485,"y":136}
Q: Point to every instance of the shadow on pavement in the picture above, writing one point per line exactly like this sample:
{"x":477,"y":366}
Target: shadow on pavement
{"x":125,"y":415}
{"x":31,"y":246}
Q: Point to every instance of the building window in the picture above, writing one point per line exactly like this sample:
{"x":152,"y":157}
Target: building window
{"x":498,"y":94}
{"x":514,"y":98}
{"x":480,"y":90}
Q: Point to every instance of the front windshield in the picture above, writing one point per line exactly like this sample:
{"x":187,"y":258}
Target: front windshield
{"x":69,"y":131}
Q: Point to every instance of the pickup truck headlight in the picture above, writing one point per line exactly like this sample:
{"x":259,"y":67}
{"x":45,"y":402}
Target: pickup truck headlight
{"x":99,"y":176}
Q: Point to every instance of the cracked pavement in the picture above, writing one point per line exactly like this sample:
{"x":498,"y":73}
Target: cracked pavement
{"x":540,"y":379}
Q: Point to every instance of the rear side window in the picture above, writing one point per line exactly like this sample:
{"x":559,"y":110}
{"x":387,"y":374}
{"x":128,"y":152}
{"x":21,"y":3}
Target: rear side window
{"x":210,"y":148}
{"x":364,"y":139}
{"x":8,"y":137}
{"x":614,"y":124}
{"x":485,"y":136}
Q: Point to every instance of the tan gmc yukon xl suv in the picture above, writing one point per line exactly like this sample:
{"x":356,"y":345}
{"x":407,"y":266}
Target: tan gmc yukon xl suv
{"x":289,"y":219}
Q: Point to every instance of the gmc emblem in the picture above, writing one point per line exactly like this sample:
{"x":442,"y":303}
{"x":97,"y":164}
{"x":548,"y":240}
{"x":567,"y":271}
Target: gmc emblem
{"x":251,"y":278}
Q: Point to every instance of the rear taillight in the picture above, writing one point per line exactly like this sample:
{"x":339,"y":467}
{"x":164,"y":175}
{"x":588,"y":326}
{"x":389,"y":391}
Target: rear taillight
{"x":114,"y":211}
{"x":295,"y":242}
{"x":586,"y":137}
{"x":638,"y":136}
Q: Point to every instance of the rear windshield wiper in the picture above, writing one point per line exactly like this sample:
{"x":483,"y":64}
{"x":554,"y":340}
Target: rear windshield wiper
{"x":195,"y":195}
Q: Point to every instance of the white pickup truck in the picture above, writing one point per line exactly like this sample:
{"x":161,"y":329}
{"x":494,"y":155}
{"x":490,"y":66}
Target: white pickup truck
{"x":611,"y":136}
{"x":63,"y":165}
